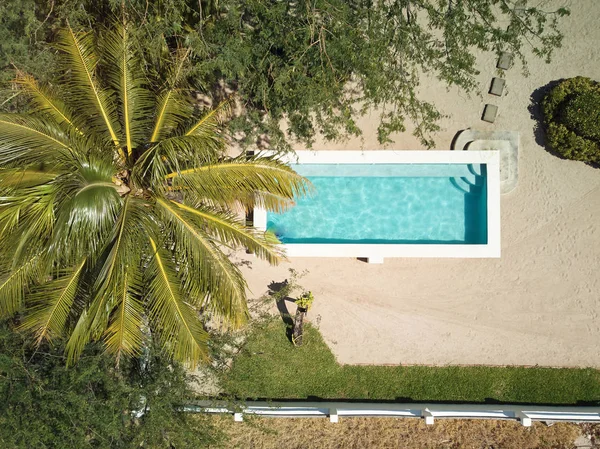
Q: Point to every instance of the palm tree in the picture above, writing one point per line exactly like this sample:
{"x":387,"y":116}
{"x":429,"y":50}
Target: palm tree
{"x":116,"y":206}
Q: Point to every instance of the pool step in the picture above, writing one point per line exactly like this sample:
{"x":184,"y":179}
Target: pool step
{"x":476,"y":169}
{"x":461,"y":185}
{"x":476,"y":181}
{"x":465,"y":184}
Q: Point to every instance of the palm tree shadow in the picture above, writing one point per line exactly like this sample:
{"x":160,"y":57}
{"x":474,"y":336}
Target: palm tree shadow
{"x":281,"y":302}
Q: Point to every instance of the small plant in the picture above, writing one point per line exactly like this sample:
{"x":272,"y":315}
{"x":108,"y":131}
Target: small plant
{"x":304,"y":302}
{"x":572,"y":119}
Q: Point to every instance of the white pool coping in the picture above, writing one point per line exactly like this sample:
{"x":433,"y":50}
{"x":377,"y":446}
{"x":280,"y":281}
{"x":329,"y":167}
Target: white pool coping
{"x":375,"y":253}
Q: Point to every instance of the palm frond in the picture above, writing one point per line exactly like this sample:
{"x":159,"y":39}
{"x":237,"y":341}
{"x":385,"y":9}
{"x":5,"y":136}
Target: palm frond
{"x":27,"y":220}
{"x":44,"y":100}
{"x":208,"y":276}
{"x":124,"y":334}
{"x":79,"y":337}
{"x":174,"y":154}
{"x":125,"y":77}
{"x":94,"y":103}
{"x":19,"y":178}
{"x":177,"y":323}
{"x":172,"y":108}
{"x":26,"y":140}
{"x":124,"y":250}
{"x":235,"y":199}
{"x":241,"y":178}
{"x":211,"y":124}
{"x":15,"y":282}
{"x":121,"y":255}
{"x":52,"y":303}
{"x":227,"y":229}
{"x":87,"y":218}
{"x":86,"y":210}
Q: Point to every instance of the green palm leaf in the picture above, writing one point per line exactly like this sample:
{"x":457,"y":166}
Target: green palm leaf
{"x":172,"y":108}
{"x":126,"y":78}
{"x":179,"y":327}
{"x":18,"y":178}
{"x":15,"y":282}
{"x":27,"y":219}
{"x":240,"y":177}
{"x":52,"y":305}
{"x":122,"y":254}
{"x":84,"y":89}
{"x":226,"y":228}
{"x":87,"y":211}
{"x":44,"y":100}
{"x":175,"y":154}
{"x":124,"y":334}
{"x":207,"y":271}
{"x":211,"y":124}
{"x":28,"y":140}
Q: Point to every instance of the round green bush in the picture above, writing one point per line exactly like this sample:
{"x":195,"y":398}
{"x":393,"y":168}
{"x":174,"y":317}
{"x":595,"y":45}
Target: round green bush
{"x":572,"y":119}
{"x":581,"y":114}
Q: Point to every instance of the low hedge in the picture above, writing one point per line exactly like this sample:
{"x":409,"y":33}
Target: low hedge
{"x":572,"y":119}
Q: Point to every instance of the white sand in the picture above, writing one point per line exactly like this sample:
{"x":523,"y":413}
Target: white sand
{"x":538,"y":304}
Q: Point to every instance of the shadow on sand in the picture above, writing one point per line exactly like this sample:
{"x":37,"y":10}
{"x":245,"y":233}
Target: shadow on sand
{"x":275,"y":290}
{"x":535,"y":111}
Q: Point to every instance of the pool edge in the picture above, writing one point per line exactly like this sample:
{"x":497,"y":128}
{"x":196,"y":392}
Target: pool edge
{"x":375,"y":253}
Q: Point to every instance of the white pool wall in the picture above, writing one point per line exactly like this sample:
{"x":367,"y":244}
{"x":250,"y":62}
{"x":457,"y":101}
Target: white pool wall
{"x":375,"y":253}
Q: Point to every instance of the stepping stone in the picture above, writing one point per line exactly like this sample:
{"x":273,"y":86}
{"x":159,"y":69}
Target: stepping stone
{"x":505,"y":61}
{"x":497,"y":86}
{"x":489,"y":113}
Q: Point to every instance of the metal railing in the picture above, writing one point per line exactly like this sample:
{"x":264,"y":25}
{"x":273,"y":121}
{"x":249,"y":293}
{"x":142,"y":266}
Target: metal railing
{"x":429,"y":412}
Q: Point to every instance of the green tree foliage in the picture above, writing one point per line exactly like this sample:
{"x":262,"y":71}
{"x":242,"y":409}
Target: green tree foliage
{"x":116,"y":205}
{"x":323,"y":63}
{"x":92,"y":405}
{"x":572,"y":119}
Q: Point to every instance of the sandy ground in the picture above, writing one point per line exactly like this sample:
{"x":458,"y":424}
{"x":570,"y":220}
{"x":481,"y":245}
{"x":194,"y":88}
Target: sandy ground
{"x":537,"y":305}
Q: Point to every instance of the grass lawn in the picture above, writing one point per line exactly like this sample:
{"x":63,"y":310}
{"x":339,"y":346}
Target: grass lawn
{"x":270,"y":367}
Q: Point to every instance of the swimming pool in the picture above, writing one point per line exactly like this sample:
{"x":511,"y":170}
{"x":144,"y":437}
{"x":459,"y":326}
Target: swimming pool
{"x":380,"y":204}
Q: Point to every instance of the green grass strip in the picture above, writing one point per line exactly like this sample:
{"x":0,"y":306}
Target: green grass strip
{"x":269,"y":367}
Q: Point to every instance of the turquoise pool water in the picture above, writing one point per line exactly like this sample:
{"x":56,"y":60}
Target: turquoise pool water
{"x":388,"y":203}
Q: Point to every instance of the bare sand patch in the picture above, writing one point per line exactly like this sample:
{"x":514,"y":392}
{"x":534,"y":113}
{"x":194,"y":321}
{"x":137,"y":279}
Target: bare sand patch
{"x":537,"y":305}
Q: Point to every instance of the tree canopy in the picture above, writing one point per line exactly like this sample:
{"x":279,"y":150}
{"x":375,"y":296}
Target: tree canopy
{"x":92,"y":405}
{"x":118,"y":202}
{"x":320,"y":63}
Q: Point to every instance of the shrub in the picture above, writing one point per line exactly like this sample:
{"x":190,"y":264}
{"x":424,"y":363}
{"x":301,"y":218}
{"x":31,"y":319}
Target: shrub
{"x":572,"y":119}
{"x":92,"y":404}
{"x":581,"y":114}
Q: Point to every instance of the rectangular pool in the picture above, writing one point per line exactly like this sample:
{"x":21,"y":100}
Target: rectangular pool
{"x":380,"y":204}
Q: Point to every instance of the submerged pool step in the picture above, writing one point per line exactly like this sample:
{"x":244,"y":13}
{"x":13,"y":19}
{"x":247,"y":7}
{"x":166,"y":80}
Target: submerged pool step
{"x":461,"y":185}
{"x":467,"y":185}
{"x":471,"y":178}
{"x":476,"y":181}
{"x":476,"y":169}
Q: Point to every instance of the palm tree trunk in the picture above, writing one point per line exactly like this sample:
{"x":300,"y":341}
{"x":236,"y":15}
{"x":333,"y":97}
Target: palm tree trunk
{"x":298,"y":326}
